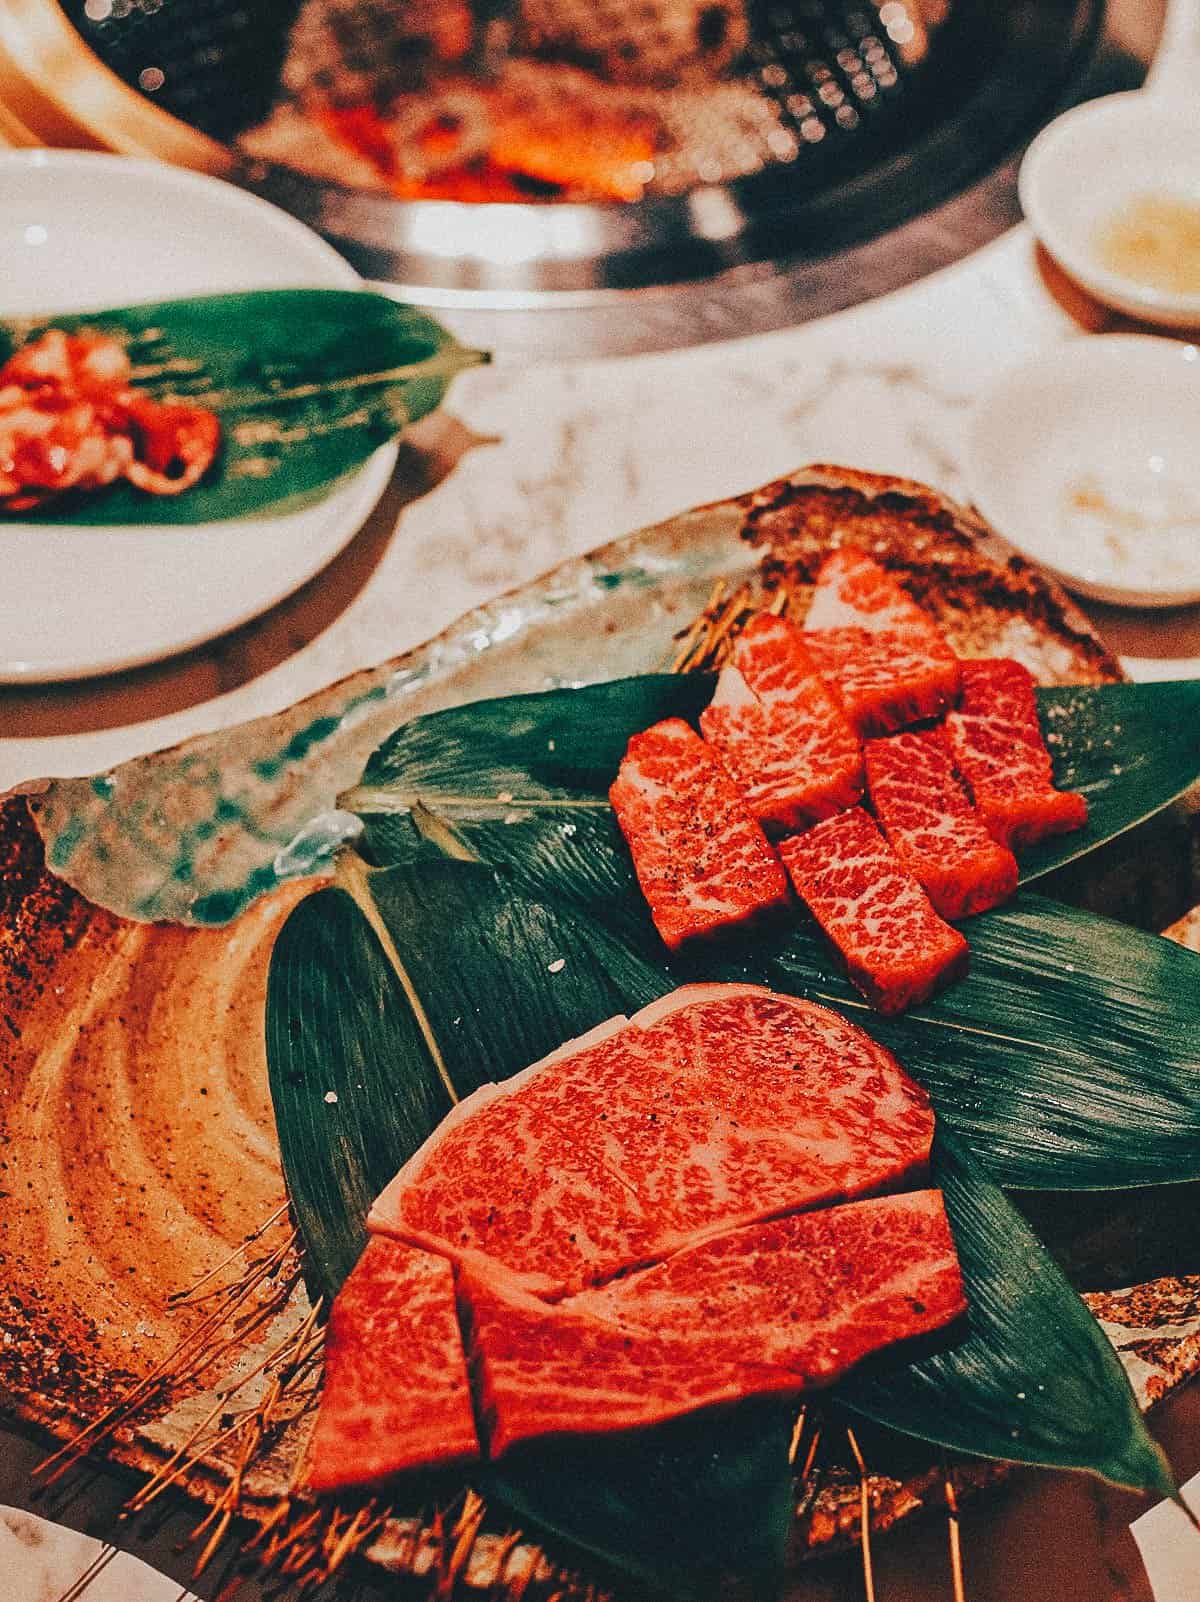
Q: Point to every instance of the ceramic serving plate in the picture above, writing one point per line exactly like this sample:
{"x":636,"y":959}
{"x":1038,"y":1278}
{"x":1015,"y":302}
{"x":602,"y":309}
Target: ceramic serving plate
{"x":137,"y":1127}
{"x":78,"y":232}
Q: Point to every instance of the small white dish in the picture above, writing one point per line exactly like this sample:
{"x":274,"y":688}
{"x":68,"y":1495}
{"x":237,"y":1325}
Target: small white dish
{"x":1084,"y":458}
{"x":1090,"y":167}
{"x":81,"y":231}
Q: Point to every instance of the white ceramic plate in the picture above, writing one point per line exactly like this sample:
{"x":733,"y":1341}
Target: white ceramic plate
{"x":1085,"y":458}
{"x":1089,"y":166}
{"x":80,"y":232}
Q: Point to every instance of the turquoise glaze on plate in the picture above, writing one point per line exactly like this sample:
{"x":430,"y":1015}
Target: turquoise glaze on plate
{"x":194,"y":834}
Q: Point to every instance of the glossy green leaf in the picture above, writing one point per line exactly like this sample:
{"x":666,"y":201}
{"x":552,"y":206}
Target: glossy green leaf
{"x":1069,"y":1057}
{"x":437,"y":973}
{"x":522,"y":783}
{"x":308,"y":383}
{"x":535,"y":763}
{"x":1128,"y":748}
{"x":1034,"y":1380}
{"x":353,"y":1084}
{"x":482,"y":968}
{"x":684,"y":1506}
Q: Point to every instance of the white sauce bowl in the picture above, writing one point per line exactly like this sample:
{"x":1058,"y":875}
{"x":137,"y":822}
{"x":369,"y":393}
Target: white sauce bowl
{"x":1093,"y":163}
{"x":1087,"y":459}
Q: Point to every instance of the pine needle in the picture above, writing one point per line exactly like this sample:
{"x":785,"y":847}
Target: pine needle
{"x":864,"y":1506}
{"x":956,"y":1568}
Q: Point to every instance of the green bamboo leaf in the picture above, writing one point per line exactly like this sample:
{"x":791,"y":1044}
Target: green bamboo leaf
{"x":684,"y":1506}
{"x":438,"y":971}
{"x":1067,"y":1060}
{"x":377,"y":997}
{"x":400,"y":993}
{"x":1034,"y":1380}
{"x":522,"y":783}
{"x":1129,"y":748}
{"x":506,"y":776}
{"x":308,"y":383}
{"x":353,"y":1084}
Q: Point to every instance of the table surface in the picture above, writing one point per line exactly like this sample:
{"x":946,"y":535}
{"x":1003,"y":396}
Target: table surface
{"x":531,"y":464}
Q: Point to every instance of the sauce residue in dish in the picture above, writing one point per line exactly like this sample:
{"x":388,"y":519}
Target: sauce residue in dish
{"x":1154,"y":240}
{"x":1139,"y":527}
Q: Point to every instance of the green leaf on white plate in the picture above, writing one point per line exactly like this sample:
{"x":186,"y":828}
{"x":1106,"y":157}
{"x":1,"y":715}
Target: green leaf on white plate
{"x":1034,"y":1380}
{"x":308,"y":383}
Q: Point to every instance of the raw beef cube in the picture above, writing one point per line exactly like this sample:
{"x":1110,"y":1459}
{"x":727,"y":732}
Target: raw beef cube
{"x":888,"y":679}
{"x":896,"y":948}
{"x":784,"y":1306}
{"x":780,"y":732}
{"x":702,"y":861}
{"x":854,"y":591}
{"x":933,"y":828}
{"x":996,"y":742}
{"x":716,"y":1106}
{"x":396,"y":1394}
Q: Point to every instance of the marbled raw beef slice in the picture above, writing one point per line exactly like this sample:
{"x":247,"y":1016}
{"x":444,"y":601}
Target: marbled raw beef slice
{"x":996,"y":741}
{"x":780,"y":732}
{"x":885,"y":680}
{"x":718,"y":1105}
{"x":396,"y":1392}
{"x":703,"y":863}
{"x":518,"y":1173}
{"x":722,"y":1104}
{"x":852,"y":590}
{"x":896,"y":949}
{"x":784,"y":1306}
{"x":933,"y":828}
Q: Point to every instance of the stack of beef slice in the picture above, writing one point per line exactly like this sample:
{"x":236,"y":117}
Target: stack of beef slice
{"x":892,"y":781}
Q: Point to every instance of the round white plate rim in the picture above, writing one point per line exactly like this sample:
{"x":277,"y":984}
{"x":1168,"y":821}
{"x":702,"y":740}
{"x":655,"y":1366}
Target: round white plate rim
{"x":341,"y":514}
{"x":1101,"y":349}
{"x":1126,"y":294}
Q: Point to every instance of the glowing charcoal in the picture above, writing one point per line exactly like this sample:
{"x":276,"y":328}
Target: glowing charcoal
{"x":718,"y":1106}
{"x":780,"y":732}
{"x":896,"y":949}
{"x":885,"y":680}
{"x":786,"y":1306}
{"x":931,"y":825}
{"x":702,"y":860}
{"x":996,"y":742}
{"x":396,"y":1390}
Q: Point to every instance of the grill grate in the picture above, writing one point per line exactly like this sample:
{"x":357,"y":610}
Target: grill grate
{"x":654,"y":97}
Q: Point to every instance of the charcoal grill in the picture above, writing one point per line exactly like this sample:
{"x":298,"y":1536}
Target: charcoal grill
{"x":819,"y":151}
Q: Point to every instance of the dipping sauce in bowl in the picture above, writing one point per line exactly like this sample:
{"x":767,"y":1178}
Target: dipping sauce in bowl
{"x":1154,"y":240}
{"x":1112,"y":190}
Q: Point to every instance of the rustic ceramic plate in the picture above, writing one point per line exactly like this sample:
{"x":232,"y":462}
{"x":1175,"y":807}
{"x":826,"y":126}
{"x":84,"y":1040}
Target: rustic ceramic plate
{"x":138,"y":1138}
